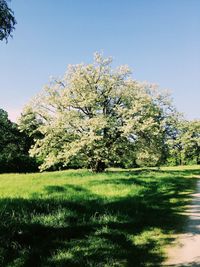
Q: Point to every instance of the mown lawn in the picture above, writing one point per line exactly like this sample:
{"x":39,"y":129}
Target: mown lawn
{"x":77,"y":218}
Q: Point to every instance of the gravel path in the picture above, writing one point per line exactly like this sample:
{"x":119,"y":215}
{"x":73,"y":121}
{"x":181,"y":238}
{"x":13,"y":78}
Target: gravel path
{"x":186,"y":252}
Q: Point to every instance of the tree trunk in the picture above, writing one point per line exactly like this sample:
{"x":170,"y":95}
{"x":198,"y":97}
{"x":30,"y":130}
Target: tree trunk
{"x":198,"y":160}
{"x":98,"y":166}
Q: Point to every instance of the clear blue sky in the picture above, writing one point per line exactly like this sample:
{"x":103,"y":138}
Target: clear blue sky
{"x":158,"y":39}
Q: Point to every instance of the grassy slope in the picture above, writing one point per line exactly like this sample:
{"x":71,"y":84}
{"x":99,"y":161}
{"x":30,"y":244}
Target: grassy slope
{"x":76,"y":218}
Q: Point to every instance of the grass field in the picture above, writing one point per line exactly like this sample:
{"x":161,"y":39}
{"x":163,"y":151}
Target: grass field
{"x":77,"y":218}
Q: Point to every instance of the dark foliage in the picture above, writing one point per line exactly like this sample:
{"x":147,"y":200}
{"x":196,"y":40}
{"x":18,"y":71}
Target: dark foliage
{"x":7,"y":20}
{"x":14,"y":147}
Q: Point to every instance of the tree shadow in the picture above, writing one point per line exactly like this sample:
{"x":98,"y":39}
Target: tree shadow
{"x":171,"y":172}
{"x":192,"y":264}
{"x":87,"y":230}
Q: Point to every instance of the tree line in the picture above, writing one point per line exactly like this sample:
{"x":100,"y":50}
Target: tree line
{"x":97,"y":117}
{"x":14,"y":147}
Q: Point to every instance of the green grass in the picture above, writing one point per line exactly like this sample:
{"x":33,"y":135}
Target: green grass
{"x":77,"y":218}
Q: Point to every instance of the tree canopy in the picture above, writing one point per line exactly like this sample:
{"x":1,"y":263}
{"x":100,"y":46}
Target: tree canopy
{"x":14,"y":147}
{"x":7,"y":20}
{"x":98,"y":115}
{"x":184,"y":147}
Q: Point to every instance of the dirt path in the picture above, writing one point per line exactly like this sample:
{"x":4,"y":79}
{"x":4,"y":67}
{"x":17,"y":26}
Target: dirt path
{"x":186,"y":252}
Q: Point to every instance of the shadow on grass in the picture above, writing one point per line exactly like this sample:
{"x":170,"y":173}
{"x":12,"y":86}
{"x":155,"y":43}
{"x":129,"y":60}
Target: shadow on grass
{"x":192,"y":264}
{"x":184,"y":172}
{"x":87,"y":230}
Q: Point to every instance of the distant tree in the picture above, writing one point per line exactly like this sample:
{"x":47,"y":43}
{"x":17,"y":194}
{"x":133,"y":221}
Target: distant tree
{"x":100,"y":115}
{"x":185,"y":146}
{"x":14,"y":147}
{"x":7,"y":20}
{"x":191,"y":140}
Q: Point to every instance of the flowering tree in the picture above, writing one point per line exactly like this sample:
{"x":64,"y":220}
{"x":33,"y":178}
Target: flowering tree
{"x":98,"y":114}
